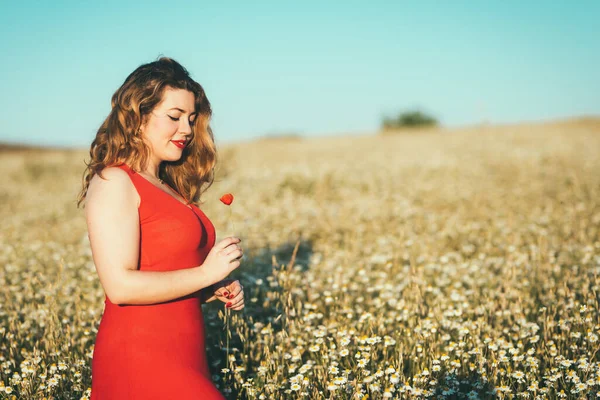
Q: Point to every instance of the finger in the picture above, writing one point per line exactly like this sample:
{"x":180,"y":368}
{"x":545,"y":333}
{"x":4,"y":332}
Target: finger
{"x":233,"y":265}
{"x":235,"y":303}
{"x":237,"y":299}
{"x":238,"y":307}
{"x":224,"y":288}
{"x":227,"y":241}
{"x":235,"y":255}
{"x":231,"y":248}
{"x":229,"y":290}
{"x":236,"y":293}
{"x":225,"y":293}
{"x":234,"y":285}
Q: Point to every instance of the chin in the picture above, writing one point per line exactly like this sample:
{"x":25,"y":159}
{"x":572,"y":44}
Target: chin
{"x":174,"y":157}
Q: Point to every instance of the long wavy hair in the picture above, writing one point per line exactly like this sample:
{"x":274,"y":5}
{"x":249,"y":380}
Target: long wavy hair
{"x":118,"y":139}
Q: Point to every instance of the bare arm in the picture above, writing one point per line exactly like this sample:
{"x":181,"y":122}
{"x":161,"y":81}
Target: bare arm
{"x":149,"y":287}
{"x":113,"y":228}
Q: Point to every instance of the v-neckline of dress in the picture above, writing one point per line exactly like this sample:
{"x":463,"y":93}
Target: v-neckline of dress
{"x":167,"y":194}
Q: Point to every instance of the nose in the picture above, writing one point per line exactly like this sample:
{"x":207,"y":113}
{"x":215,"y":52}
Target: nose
{"x":185,"y":127}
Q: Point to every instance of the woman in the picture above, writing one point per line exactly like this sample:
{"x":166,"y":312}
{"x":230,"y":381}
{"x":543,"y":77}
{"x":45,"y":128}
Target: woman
{"x":153,"y":248}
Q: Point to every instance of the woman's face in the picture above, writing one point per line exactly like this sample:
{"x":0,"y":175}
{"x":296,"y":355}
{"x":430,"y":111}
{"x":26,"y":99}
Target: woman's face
{"x":168,"y":127}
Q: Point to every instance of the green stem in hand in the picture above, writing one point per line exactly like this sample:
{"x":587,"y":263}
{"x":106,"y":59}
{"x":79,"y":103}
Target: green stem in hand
{"x":230,"y":225}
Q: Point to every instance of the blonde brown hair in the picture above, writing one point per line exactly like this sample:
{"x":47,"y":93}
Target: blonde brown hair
{"x":118,"y":139}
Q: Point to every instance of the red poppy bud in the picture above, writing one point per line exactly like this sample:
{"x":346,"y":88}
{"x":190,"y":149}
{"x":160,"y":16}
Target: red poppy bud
{"x":227,"y":198}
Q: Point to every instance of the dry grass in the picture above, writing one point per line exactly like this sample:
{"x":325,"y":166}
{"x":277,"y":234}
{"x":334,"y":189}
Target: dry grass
{"x":444,"y":264}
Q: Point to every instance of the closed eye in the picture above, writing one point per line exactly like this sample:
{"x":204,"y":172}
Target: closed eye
{"x":177,"y":119}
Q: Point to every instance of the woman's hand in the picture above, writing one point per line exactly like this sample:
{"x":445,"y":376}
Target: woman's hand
{"x":222,"y":259}
{"x":231,"y":292}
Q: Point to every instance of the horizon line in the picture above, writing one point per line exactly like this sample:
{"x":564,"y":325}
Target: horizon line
{"x":304,"y":136}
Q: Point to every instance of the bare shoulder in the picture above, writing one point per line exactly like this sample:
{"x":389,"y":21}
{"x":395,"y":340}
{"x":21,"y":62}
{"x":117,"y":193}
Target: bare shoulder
{"x":114,"y":185}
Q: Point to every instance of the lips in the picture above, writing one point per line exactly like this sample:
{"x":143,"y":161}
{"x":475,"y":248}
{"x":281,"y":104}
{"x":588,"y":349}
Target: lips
{"x":179,"y":143}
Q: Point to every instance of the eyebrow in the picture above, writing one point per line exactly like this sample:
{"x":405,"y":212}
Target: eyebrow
{"x":183,"y":111}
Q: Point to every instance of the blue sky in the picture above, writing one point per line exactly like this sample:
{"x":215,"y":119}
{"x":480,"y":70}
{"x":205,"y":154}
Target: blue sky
{"x":309,"y":67}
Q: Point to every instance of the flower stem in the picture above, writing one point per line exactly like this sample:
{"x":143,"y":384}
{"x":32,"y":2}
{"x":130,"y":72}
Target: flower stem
{"x":231,"y":230}
{"x":230,"y":224}
{"x":227,"y":315}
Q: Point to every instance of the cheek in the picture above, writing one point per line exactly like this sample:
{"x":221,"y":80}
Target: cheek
{"x":164,"y":127}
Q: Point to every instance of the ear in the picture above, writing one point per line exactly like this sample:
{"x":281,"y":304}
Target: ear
{"x":144,"y":124}
{"x":145,"y":119}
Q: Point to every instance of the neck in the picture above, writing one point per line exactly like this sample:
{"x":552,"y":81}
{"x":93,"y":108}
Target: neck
{"x":152,"y":168}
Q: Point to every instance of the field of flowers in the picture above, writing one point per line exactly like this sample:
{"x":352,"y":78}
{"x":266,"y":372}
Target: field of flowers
{"x":436,"y":264}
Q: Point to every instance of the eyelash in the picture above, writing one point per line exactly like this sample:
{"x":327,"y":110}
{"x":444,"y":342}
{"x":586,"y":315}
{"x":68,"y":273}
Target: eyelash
{"x":177,"y":119}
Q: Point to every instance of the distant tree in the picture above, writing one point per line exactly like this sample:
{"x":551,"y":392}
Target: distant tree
{"x":409,"y":119}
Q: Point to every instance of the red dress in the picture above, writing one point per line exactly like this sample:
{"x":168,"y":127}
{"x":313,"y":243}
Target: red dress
{"x":157,"y":351}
